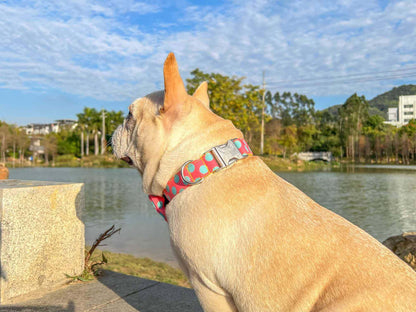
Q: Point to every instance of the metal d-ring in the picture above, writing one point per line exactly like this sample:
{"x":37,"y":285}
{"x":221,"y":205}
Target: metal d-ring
{"x":183,"y":177}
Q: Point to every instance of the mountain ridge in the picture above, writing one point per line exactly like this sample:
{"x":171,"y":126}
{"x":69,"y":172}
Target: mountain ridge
{"x":380,"y":104}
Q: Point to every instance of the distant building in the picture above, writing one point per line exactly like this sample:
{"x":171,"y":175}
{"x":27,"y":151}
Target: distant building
{"x":58,"y":125}
{"x":36,"y":146}
{"x":392,"y":118}
{"x":406,"y":110}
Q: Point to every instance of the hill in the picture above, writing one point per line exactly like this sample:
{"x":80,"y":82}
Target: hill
{"x":379,"y":105}
{"x":391,"y":98}
{"x":372,"y":110}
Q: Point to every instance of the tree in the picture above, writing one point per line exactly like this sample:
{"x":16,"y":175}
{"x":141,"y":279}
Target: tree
{"x":295,"y":109}
{"x":23,"y":143}
{"x":88,"y":122}
{"x":50,"y":147}
{"x":353,"y":114}
{"x":4,"y":136}
{"x":273,"y":133}
{"x":230,"y":99}
{"x":306,"y":136}
{"x":68,"y":143}
{"x":289,"y":140}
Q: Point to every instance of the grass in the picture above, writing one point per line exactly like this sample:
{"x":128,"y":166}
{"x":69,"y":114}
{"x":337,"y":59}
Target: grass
{"x":142,"y":267}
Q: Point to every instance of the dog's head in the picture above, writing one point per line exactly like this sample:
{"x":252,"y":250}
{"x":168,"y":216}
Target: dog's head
{"x":157,"y":135}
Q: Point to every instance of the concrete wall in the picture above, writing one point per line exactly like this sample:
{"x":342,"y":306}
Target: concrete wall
{"x":42,"y":239}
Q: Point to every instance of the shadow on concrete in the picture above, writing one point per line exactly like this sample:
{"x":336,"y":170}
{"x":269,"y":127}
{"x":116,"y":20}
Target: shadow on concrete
{"x":16,"y":308}
{"x":148,"y":296}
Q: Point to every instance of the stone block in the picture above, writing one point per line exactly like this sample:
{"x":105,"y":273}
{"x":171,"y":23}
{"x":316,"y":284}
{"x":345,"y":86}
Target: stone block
{"x":42,"y":239}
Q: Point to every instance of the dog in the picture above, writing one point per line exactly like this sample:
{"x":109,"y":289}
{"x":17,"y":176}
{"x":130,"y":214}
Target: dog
{"x":247,"y":239}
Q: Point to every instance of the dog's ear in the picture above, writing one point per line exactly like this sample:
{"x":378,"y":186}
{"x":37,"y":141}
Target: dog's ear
{"x":201,"y":93}
{"x":175,"y":92}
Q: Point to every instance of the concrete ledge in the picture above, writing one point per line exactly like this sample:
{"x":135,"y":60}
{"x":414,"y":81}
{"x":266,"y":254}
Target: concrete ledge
{"x":114,"y":292}
{"x":41,"y":238}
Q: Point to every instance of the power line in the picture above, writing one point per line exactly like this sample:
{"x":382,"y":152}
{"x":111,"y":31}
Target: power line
{"x":352,"y":75}
{"x":312,"y":82}
{"x":351,"y":78}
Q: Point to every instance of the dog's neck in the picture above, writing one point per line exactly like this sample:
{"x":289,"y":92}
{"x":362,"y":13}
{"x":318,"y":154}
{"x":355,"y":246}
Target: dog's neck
{"x":189,"y":147}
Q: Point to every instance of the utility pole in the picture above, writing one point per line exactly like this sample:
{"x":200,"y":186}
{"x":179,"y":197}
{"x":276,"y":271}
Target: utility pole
{"x":103,"y":134}
{"x":262,"y":117}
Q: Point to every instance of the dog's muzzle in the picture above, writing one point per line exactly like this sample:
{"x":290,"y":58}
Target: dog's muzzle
{"x":118,"y":146}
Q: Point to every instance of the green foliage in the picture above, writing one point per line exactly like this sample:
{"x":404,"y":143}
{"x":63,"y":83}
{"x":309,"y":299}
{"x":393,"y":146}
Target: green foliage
{"x":230,"y":99}
{"x":85,"y":276}
{"x":409,"y":129}
{"x":289,"y":140}
{"x":113,"y":120}
{"x":306,"y":136}
{"x":375,"y":122}
{"x":68,"y":143}
{"x":294,"y":108}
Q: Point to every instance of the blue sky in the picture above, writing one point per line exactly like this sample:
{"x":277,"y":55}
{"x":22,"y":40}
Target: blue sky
{"x":58,"y":56}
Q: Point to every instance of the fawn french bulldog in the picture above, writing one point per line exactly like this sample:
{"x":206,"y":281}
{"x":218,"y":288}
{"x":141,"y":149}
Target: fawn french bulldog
{"x":246,"y":239}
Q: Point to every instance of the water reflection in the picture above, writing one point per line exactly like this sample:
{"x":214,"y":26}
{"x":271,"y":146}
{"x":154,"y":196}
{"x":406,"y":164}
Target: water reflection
{"x":381,"y":202}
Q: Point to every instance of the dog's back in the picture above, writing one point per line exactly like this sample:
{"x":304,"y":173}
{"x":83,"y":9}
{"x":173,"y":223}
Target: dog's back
{"x":272,"y":248}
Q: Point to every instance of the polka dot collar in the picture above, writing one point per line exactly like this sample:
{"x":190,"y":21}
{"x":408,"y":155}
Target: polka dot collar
{"x":193,"y":172}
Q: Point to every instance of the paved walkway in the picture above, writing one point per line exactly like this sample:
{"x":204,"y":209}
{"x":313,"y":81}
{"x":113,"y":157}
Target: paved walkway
{"x":113,"y":292}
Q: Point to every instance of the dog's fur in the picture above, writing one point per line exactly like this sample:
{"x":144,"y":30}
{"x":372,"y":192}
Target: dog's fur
{"x":246,"y":239}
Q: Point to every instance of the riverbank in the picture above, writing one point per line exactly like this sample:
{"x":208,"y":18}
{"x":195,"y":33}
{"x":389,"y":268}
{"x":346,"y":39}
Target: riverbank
{"x":109,"y":161}
{"x":70,"y":161}
{"x":141,"y":267}
{"x":283,"y":164}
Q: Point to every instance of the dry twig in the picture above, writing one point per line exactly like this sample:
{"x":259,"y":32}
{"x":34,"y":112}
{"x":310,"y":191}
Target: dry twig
{"x":107,"y":234}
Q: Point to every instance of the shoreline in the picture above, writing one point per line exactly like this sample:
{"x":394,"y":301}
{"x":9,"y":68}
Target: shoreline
{"x":275,"y":163}
{"x":107,"y":161}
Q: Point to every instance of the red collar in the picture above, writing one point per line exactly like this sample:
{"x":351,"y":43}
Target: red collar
{"x":194,"y":172}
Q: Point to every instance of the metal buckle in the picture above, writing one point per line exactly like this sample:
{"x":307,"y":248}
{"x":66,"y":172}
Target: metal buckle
{"x":226,"y":154}
{"x":183,"y":177}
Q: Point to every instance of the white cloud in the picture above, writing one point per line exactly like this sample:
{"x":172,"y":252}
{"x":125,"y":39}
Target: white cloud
{"x":93,"y":48}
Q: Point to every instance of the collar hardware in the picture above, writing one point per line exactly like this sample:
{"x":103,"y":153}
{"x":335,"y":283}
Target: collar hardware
{"x":227,"y":154}
{"x":194,"y":171}
{"x":186,"y":178}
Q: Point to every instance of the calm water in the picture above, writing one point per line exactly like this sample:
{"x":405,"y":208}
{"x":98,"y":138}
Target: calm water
{"x":379,"y":200}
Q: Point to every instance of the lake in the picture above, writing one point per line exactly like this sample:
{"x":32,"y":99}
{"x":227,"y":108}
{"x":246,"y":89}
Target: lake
{"x":380,"y":200}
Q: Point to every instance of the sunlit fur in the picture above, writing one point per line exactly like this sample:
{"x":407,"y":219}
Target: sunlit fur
{"x":247,"y":239}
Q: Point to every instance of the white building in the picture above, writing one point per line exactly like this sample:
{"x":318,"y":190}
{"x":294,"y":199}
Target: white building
{"x":404,"y":113}
{"x":49,"y":128}
{"x":407,"y":108}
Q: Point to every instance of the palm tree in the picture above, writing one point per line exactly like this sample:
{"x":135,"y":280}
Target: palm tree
{"x":82,"y":121}
{"x":87,"y":121}
{"x":95,"y":126}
